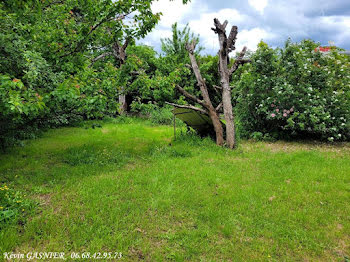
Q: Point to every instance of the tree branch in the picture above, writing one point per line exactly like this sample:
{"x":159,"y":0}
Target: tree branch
{"x":190,"y":96}
{"x":239,"y":61}
{"x":126,"y":43}
{"x":231,"y":41}
{"x":219,"y":28}
{"x":218,"y":107}
{"x":102,"y":56}
{"x":188,"y":107}
{"x":201,"y":82}
{"x":217,"y":87}
{"x":92,"y":29}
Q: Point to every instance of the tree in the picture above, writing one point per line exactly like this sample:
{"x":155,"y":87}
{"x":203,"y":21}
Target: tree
{"x":112,"y":45}
{"x":175,"y":47}
{"x":227,"y":45}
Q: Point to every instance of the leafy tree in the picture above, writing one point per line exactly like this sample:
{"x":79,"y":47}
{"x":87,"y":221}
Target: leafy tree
{"x":174,"y":47}
{"x":48,"y":45}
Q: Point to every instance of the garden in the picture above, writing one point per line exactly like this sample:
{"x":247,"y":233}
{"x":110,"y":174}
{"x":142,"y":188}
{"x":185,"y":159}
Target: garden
{"x":90,"y":167}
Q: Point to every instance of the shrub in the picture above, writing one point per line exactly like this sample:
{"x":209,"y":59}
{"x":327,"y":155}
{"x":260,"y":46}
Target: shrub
{"x":295,"y":92}
{"x":156,"y":114}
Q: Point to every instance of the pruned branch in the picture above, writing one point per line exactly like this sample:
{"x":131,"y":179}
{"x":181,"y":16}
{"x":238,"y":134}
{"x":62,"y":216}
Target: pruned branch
{"x":219,"y":28}
{"x":188,"y":107}
{"x":231,"y":41}
{"x":120,"y":51}
{"x":191,"y":47}
{"x":239,"y":61}
{"x":190,"y":96}
{"x":201,"y":82}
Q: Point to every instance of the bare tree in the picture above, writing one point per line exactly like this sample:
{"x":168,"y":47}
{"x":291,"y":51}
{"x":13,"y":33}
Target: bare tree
{"x":227,"y":45}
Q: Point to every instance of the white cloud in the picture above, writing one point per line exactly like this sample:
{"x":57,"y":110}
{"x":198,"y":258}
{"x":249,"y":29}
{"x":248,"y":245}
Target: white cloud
{"x":251,"y":38}
{"x":209,"y":40}
{"x":173,"y":11}
{"x":203,"y":25}
{"x":155,"y":36}
{"x":279,"y":19}
{"x":258,"y":5}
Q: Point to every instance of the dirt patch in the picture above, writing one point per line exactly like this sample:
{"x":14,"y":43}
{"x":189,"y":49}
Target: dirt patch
{"x":105,"y":131}
{"x":44,"y":199}
{"x":282,"y":146}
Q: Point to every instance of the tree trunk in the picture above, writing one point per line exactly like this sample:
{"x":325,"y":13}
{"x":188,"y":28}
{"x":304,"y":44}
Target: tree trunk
{"x":123,"y":106}
{"x":219,"y":131}
{"x":213,"y":114}
{"x":119,"y":52}
{"x":226,"y":46}
{"x":228,"y":113}
{"x":227,"y":99}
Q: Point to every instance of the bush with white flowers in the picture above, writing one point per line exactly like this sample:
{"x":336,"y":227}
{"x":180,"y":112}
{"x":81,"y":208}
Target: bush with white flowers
{"x":294,"y":92}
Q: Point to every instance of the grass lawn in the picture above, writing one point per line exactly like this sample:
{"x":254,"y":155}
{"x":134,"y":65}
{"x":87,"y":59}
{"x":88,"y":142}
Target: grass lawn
{"x":127,"y":187}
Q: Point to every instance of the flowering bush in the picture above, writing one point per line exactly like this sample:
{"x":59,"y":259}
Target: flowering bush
{"x":295,"y":92}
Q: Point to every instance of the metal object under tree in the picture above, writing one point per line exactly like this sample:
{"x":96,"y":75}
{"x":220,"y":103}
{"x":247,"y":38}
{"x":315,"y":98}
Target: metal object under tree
{"x":200,"y":122}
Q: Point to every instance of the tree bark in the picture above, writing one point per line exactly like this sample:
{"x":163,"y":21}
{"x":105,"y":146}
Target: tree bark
{"x":227,"y":45}
{"x":119,"y":52}
{"x":213,"y":114}
{"x":225,"y":80}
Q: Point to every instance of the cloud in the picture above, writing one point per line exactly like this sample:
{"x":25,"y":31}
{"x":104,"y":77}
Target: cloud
{"x":246,"y":37}
{"x":173,"y":11}
{"x":251,"y":38}
{"x":271,"y":20}
{"x":258,"y":5}
{"x":203,"y":25}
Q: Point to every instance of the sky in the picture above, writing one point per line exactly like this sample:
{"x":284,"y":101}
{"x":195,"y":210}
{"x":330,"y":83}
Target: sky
{"x":272,"y":21}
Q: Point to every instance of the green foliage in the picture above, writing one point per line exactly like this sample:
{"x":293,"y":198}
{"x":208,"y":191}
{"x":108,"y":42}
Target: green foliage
{"x":47,"y":45}
{"x":157,"y":115}
{"x":175,"y":47}
{"x":295,"y":92}
{"x":19,"y":106}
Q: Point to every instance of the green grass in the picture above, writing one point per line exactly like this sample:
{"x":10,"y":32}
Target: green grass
{"x":128,"y":187}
